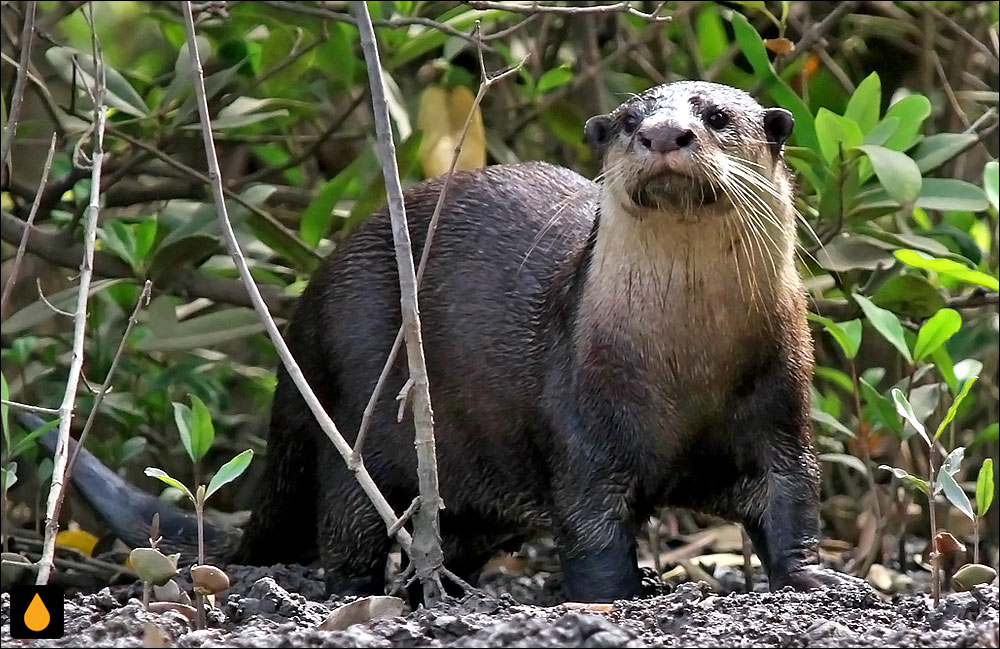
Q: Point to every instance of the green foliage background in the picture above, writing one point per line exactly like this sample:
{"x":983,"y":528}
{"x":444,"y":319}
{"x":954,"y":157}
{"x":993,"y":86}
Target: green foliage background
{"x":894,"y":148}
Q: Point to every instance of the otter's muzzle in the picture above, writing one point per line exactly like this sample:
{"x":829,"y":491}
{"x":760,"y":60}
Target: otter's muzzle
{"x":664,"y":138}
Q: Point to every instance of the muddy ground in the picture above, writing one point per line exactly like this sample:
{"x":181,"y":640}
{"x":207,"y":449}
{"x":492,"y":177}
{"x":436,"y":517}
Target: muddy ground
{"x":282,"y":606}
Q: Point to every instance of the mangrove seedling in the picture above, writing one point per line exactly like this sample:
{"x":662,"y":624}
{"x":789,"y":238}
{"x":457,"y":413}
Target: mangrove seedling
{"x":226,"y":474}
{"x":940,"y":480}
{"x":197,"y":434}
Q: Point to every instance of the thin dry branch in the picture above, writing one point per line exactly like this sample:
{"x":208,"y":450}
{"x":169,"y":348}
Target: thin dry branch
{"x":426,"y":553}
{"x":19,"y":256}
{"x":294,"y":371}
{"x":395,"y":22}
{"x":538,"y":8}
{"x":61,"y":456}
{"x":20,"y":82}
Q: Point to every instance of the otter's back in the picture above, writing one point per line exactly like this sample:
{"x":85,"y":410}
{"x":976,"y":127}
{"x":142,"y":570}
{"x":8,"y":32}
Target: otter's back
{"x":504,"y":232}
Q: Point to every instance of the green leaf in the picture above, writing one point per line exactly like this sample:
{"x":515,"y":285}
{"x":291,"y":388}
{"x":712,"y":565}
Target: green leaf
{"x":984,"y":487}
{"x":953,"y":463}
{"x":882,"y":131}
{"x":182,"y":417}
{"x":829,"y":420}
{"x":935,"y":332}
{"x":192,"y":249}
{"x":935,"y":150}
{"x":947,"y":267}
{"x":846,"y":460}
{"x":202,"y":430}
{"x":161,"y":475}
{"x":847,"y":334}
{"x":753,"y":49}
{"x":25,"y":442}
{"x":906,"y":477}
{"x":897,"y":172}
{"x":954,"y":407}
{"x":989,"y":434}
{"x":554,"y":78}
{"x":887,"y":324}
{"x":906,"y":412}
{"x":229,"y":472}
{"x":943,"y":194}
{"x":884,"y":408}
{"x":955,"y":494}
{"x":991,"y":183}
{"x":911,"y":112}
{"x":865,"y":104}
{"x":316,"y":220}
{"x":836,"y":133}
{"x":910,"y":295}
{"x":8,"y":476}
{"x":836,"y":377}
{"x":942,"y":360}
{"x":207,"y":330}
{"x":38,"y":312}
{"x":120,"y":93}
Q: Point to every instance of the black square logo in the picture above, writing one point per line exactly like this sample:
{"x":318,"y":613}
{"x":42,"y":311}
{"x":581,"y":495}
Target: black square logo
{"x":36,"y":612}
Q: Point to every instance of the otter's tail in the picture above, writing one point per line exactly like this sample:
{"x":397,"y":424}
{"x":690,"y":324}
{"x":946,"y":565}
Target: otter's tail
{"x":128,"y":510}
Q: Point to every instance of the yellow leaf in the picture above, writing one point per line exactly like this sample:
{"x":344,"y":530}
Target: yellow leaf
{"x":442,"y":118}
{"x":78,"y":540}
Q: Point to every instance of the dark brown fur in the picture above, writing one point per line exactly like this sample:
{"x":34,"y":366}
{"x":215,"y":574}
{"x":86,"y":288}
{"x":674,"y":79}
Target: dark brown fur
{"x":566,"y":396}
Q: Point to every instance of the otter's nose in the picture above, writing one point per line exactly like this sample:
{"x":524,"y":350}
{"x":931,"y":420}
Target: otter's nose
{"x":665,"y":138}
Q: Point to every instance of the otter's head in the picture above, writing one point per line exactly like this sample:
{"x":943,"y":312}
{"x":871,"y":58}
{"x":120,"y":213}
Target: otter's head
{"x":692,"y":148}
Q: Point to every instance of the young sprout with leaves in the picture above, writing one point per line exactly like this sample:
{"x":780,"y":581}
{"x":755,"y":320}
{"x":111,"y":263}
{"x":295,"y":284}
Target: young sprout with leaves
{"x":197,"y":434}
{"x":938,"y":481}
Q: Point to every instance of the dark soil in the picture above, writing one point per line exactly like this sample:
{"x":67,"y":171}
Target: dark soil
{"x":281,"y":606}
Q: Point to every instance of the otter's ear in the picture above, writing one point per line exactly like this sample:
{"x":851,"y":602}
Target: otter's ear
{"x":598,"y":131}
{"x":778,"y":124}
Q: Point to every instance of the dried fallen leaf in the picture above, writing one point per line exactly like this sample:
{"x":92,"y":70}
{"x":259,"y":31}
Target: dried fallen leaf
{"x":779,"y":45}
{"x":80,"y":540}
{"x":589,"y":607}
{"x":362,"y":610}
{"x":162,"y":607}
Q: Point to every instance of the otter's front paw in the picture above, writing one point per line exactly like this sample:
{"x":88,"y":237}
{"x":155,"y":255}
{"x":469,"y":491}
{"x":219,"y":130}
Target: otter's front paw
{"x":816,"y":577}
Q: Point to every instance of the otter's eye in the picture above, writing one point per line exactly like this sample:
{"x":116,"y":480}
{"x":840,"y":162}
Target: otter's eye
{"x":717,"y":119}
{"x":630,"y":122}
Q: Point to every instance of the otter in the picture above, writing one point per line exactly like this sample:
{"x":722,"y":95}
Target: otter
{"x":596,"y":350}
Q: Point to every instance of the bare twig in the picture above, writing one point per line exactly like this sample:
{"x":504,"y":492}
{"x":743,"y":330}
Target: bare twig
{"x":961,"y":31}
{"x":294,"y":371}
{"x":426,"y":553}
{"x":139,"y":304}
{"x":394,"y":22}
{"x":405,"y":516}
{"x":19,"y":256}
{"x":57,"y":487}
{"x":27,"y":407}
{"x":486,"y":83}
{"x":538,"y":8}
{"x":27,"y":33}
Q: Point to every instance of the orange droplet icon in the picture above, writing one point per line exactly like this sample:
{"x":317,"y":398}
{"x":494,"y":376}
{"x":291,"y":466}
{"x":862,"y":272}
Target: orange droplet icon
{"x":36,"y":617}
